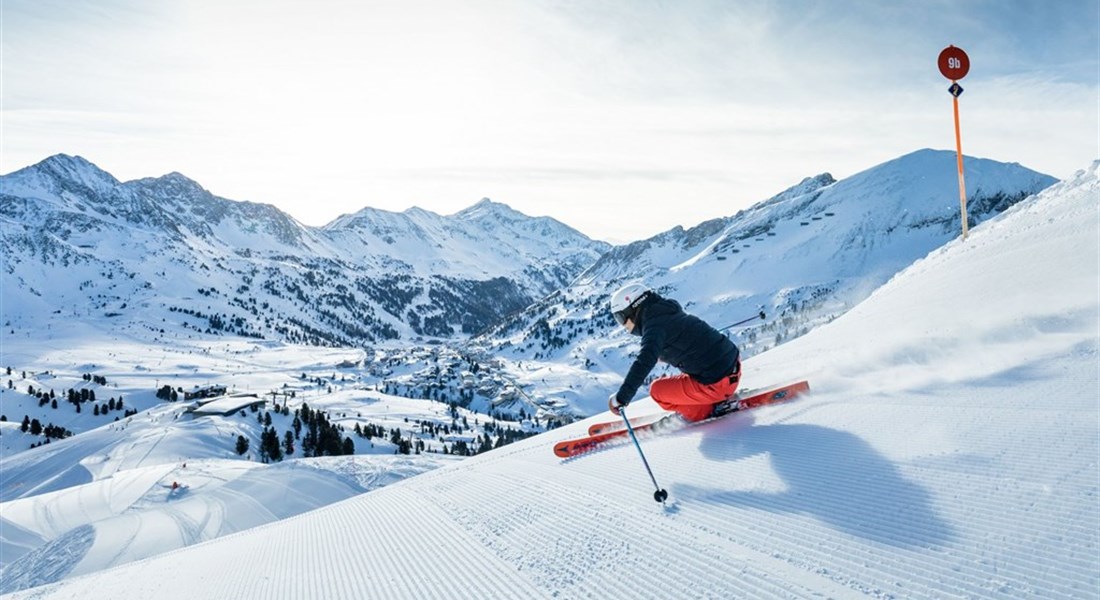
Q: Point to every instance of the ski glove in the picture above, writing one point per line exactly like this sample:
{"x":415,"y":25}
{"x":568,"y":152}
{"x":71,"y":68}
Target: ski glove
{"x":613,"y":404}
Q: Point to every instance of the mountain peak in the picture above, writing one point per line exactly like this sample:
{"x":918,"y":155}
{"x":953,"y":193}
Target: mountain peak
{"x":66,"y":161}
{"x":486,"y":207}
{"x":174,"y":178}
{"x":73,"y":168}
{"x":174,"y":185}
{"x":807,"y":186}
{"x":370,"y":217}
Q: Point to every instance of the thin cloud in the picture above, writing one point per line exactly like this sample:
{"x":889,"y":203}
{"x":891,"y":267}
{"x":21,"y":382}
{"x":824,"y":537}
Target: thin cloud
{"x":583,"y":110}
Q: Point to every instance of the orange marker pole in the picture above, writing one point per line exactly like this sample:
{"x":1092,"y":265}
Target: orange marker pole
{"x":962,"y":179}
{"x":954,"y":64}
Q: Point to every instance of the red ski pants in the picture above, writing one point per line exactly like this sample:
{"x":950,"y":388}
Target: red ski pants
{"x":693,"y":400}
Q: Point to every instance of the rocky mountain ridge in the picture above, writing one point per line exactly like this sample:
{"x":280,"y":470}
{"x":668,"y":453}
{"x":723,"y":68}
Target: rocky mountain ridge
{"x":81,"y":242}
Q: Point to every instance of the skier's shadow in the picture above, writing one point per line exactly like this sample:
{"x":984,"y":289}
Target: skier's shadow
{"x":832,"y":475}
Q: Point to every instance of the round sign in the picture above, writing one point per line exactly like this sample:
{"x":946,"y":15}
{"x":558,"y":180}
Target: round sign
{"x":954,"y":63}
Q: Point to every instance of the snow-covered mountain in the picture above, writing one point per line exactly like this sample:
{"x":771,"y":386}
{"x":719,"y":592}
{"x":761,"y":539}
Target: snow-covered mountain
{"x":805,"y":256}
{"x":948,"y":449}
{"x":166,"y":260}
{"x":165,"y":254}
{"x":485,"y":240}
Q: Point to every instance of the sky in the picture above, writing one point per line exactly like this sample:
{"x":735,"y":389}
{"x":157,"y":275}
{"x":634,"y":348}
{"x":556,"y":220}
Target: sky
{"x":621,"y":118}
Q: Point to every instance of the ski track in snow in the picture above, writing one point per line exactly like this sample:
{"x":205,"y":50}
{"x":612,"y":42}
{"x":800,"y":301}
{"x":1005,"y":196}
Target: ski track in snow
{"x":755,"y":519}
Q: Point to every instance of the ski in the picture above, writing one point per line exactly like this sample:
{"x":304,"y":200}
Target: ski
{"x":750,"y":399}
{"x":570,"y":448}
{"x":609,"y":426}
{"x":603,"y":432}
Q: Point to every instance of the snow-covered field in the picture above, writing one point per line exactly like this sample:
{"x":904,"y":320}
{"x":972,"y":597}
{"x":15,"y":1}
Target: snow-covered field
{"x":150,"y":510}
{"x":132,"y":486}
{"x":949,"y":450}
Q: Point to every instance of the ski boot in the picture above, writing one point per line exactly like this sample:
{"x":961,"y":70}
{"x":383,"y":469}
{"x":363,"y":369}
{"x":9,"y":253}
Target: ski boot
{"x":725,"y":407}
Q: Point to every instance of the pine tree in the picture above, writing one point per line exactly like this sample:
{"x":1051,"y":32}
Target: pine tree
{"x":242,"y":445}
{"x":26,"y":426}
{"x":270,"y":444}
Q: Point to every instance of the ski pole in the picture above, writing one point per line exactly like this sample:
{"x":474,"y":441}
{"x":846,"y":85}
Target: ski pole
{"x":760,"y":316}
{"x":660,"y":495}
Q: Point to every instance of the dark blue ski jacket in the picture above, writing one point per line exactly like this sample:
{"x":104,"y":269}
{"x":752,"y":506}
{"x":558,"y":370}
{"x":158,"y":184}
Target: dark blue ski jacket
{"x":679,"y":339}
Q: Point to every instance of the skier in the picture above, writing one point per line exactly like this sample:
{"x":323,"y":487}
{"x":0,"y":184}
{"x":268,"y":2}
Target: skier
{"x":709,"y":362}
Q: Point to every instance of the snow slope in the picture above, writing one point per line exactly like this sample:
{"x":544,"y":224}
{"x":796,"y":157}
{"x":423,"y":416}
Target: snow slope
{"x":137,"y":512}
{"x":103,"y":497}
{"x":949,"y":450}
